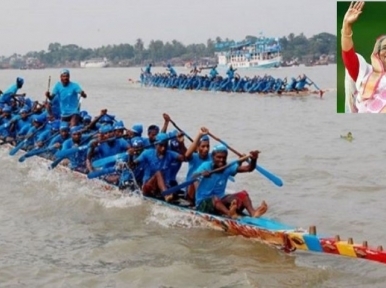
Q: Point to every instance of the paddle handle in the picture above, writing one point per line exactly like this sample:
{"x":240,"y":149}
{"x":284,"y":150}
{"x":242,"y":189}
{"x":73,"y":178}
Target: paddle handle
{"x":49,"y":84}
{"x":179,"y":129}
{"x":224,"y":143}
{"x":276,"y":180}
{"x":196,"y":177}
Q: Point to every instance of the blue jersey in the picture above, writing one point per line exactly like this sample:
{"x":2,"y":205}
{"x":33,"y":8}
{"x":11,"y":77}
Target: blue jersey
{"x":67,"y":97}
{"x":7,"y":94}
{"x":55,"y":107}
{"x":22,"y":123}
{"x":213,"y":73}
{"x":194,"y":162}
{"x":154,"y":163}
{"x":111,"y":148}
{"x":215,"y":184}
{"x":78,"y":159}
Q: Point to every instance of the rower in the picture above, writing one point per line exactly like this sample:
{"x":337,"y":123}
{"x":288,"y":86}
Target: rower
{"x":300,"y":85}
{"x":152,"y":132}
{"x":107,"y":145}
{"x":11,"y":92}
{"x":210,"y":191}
{"x":77,"y":161}
{"x":171,"y":70}
{"x":157,"y":167}
{"x":197,"y":153}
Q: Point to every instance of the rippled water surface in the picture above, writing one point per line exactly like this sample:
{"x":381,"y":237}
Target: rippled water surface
{"x":61,"y":231}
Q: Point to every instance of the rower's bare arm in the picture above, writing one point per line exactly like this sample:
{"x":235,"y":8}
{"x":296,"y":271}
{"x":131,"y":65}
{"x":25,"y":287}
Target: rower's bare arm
{"x":352,"y":14}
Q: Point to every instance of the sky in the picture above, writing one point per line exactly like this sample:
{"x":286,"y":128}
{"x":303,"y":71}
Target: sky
{"x":27,"y":25}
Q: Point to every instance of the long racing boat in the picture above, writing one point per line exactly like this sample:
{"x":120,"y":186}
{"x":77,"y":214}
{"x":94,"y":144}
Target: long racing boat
{"x":276,"y":234}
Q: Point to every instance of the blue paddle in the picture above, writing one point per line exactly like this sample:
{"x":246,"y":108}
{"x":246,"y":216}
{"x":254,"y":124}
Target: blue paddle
{"x":110,"y":159}
{"x":22,"y":143}
{"x":59,"y":159}
{"x":35,"y":152}
{"x":67,"y":152}
{"x":176,"y":188}
{"x":276,"y":180}
{"x":39,"y":151}
{"x":98,"y":173}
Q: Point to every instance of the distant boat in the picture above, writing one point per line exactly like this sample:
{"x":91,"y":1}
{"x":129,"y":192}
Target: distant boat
{"x":264,"y":53}
{"x":94,"y":63}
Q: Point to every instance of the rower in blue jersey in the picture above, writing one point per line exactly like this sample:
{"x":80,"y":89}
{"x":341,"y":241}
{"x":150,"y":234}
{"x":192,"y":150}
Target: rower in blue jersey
{"x":77,"y":160}
{"x":231,"y":72}
{"x":64,"y":134}
{"x":213,"y":72}
{"x":25,"y":119}
{"x":67,"y":92}
{"x":148,"y":69}
{"x":152,"y":132}
{"x":108,"y":145}
{"x":176,"y":144}
{"x":300,"y":85}
{"x":47,"y":134}
{"x":157,"y":170}
{"x":291,"y":85}
{"x":138,"y":169}
{"x":5,"y":122}
{"x":171,"y":70}
{"x":196,"y":154}
{"x":135,"y":132}
{"x":11,"y":92}
{"x":210,"y":191}
{"x":37,"y":127}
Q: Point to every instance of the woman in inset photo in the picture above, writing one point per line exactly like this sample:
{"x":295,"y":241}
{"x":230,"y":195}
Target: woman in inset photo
{"x":365,"y":83}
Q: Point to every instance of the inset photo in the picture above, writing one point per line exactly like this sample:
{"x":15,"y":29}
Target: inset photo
{"x":361,"y":57}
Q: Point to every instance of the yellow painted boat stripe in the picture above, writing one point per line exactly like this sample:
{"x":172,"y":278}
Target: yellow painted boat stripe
{"x":298,"y":240}
{"x":346,"y":249}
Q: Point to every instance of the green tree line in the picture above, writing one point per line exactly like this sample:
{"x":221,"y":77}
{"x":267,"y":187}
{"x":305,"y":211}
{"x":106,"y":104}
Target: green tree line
{"x":293,"y":46}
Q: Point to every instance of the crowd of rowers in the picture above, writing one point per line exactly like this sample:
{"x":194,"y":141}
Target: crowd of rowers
{"x":214,"y":82}
{"x":53,"y":128}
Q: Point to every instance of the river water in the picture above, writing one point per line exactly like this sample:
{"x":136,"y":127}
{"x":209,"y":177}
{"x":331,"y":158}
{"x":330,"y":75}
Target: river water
{"x":61,"y":231}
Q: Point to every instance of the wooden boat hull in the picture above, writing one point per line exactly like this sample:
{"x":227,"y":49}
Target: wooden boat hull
{"x":269,"y":231}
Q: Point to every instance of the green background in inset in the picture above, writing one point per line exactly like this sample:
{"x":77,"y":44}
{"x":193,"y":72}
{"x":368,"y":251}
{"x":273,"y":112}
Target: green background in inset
{"x":369,"y":26}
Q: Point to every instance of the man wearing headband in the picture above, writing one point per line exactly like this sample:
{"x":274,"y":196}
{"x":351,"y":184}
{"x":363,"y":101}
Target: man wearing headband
{"x":59,"y":139}
{"x":108,"y":145}
{"x":197,"y":153}
{"x":67,"y":93}
{"x":78,"y":159}
{"x":210,"y":191}
{"x":157,"y":164}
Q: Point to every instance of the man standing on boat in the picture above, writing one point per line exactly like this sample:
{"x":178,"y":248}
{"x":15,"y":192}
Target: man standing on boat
{"x":210,"y":192}
{"x":67,"y":92}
